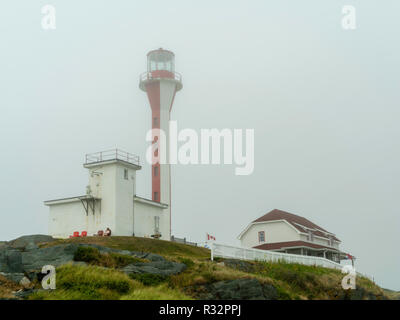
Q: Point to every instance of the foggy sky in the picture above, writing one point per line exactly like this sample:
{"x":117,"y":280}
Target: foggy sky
{"x":323,"y":103}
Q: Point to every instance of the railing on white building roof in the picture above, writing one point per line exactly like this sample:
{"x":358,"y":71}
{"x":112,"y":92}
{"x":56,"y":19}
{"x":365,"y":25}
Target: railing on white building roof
{"x":150,"y":76}
{"x":114,"y":154}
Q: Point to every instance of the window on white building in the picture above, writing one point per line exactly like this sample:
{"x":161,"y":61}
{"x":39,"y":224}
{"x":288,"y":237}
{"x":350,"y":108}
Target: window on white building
{"x":261,"y":236}
{"x":126,"y":174}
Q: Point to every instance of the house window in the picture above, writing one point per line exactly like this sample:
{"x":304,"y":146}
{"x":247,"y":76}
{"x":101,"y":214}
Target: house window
{"x":261,"y":236}
{"x":156,"y":196}
{"x":156,"y":224}
{"x":310,"y":236}
{"x":126,"y":174}
{"x":156,"y":171}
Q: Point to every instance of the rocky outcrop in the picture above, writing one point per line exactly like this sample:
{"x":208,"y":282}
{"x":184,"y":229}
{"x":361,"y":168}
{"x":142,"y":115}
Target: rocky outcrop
{"x":22,"y":257}
{"x":162,"y":268}
{"x":22,"y":242}
{"x":35,"y":259}
{"x":238,"y":289}
{"x":10,"y":260}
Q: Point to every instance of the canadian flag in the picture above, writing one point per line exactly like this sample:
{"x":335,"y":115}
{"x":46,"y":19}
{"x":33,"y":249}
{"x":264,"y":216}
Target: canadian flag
{"x":210,"y":237}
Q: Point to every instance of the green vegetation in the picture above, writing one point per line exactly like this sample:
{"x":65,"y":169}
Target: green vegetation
{"x":97,"y":283}
{"x":161,"y":292}
{"x":394,"y":295}
{"x":167,"y":249}
{"x":292,"y":281}
{"x":188,"y":262}
{"x":148,"y":279}
{"x":88,"y":283}
{"x":109,"y":260}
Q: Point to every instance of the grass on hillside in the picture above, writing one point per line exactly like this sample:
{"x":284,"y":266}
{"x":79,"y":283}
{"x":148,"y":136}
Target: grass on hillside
{"x":76,"y":282}
{"x":161,"y":247}
{"x":394,"y":295}
{"x":292,"y":281}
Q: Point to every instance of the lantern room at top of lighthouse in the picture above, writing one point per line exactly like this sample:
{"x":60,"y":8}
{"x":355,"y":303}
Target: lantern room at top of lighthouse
{"x":160,"y":60}
{"x":160,"y":65}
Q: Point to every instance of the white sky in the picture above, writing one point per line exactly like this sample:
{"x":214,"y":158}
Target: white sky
{"x":323,"y":103}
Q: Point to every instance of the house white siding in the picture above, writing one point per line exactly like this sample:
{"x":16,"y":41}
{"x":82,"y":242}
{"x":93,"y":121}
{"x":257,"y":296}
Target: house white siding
{"x":275,"y":231}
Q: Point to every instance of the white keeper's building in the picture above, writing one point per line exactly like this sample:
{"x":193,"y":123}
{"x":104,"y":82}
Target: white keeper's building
{"x":110,"y":202}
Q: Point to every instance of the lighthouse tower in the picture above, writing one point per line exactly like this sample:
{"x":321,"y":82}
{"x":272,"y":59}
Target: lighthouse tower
{"x":161,"y":83}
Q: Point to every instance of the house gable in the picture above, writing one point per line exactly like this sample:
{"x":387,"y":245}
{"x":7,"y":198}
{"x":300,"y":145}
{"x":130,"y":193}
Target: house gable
{"x":275,"y":231}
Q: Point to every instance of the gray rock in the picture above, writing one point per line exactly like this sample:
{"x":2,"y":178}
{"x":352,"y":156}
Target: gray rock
{"x":34,"y":260}
{"x":22,"y":242}
{"x":15,"y":277}
{"x":25,"y":293}
{"x":24,"y":256}
{"x":31,"y":246}
{"x":162,"y":268}
{"x":270,"y":292}
{"x":25,"y":282}
{"x":241,"y":265}
{"x":240,"y":289}
{"x":10,"y":260}
{"x":153,"y":257}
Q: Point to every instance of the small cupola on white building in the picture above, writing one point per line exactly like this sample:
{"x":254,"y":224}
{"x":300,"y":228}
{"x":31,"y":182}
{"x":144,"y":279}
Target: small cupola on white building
{"x":110,"y":202}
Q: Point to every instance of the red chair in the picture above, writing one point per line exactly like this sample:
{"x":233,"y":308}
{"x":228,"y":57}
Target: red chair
{"x":84,"y":234}
{"x":76,"y":234}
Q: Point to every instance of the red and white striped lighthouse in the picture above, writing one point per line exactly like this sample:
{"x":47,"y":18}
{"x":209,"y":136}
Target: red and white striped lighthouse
{"x":161,"y":83}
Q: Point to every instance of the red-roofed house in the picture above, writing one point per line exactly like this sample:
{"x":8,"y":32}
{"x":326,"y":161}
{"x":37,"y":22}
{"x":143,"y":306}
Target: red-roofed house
{"x":286,"y":232}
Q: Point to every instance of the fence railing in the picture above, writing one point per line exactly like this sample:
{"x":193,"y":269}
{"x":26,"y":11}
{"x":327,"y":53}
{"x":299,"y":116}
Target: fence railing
{"x":226,"y":251}
{"x":183,"y":240}
{"x":114,"y":154}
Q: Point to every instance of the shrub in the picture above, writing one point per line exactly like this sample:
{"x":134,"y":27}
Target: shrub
{"x":148,"y":279}
{"x":122,"y":260}
{"x":87,"y":254}
{"x":282,"y":294}
{"x":110,"y":260}
{"x":188,"y":262}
